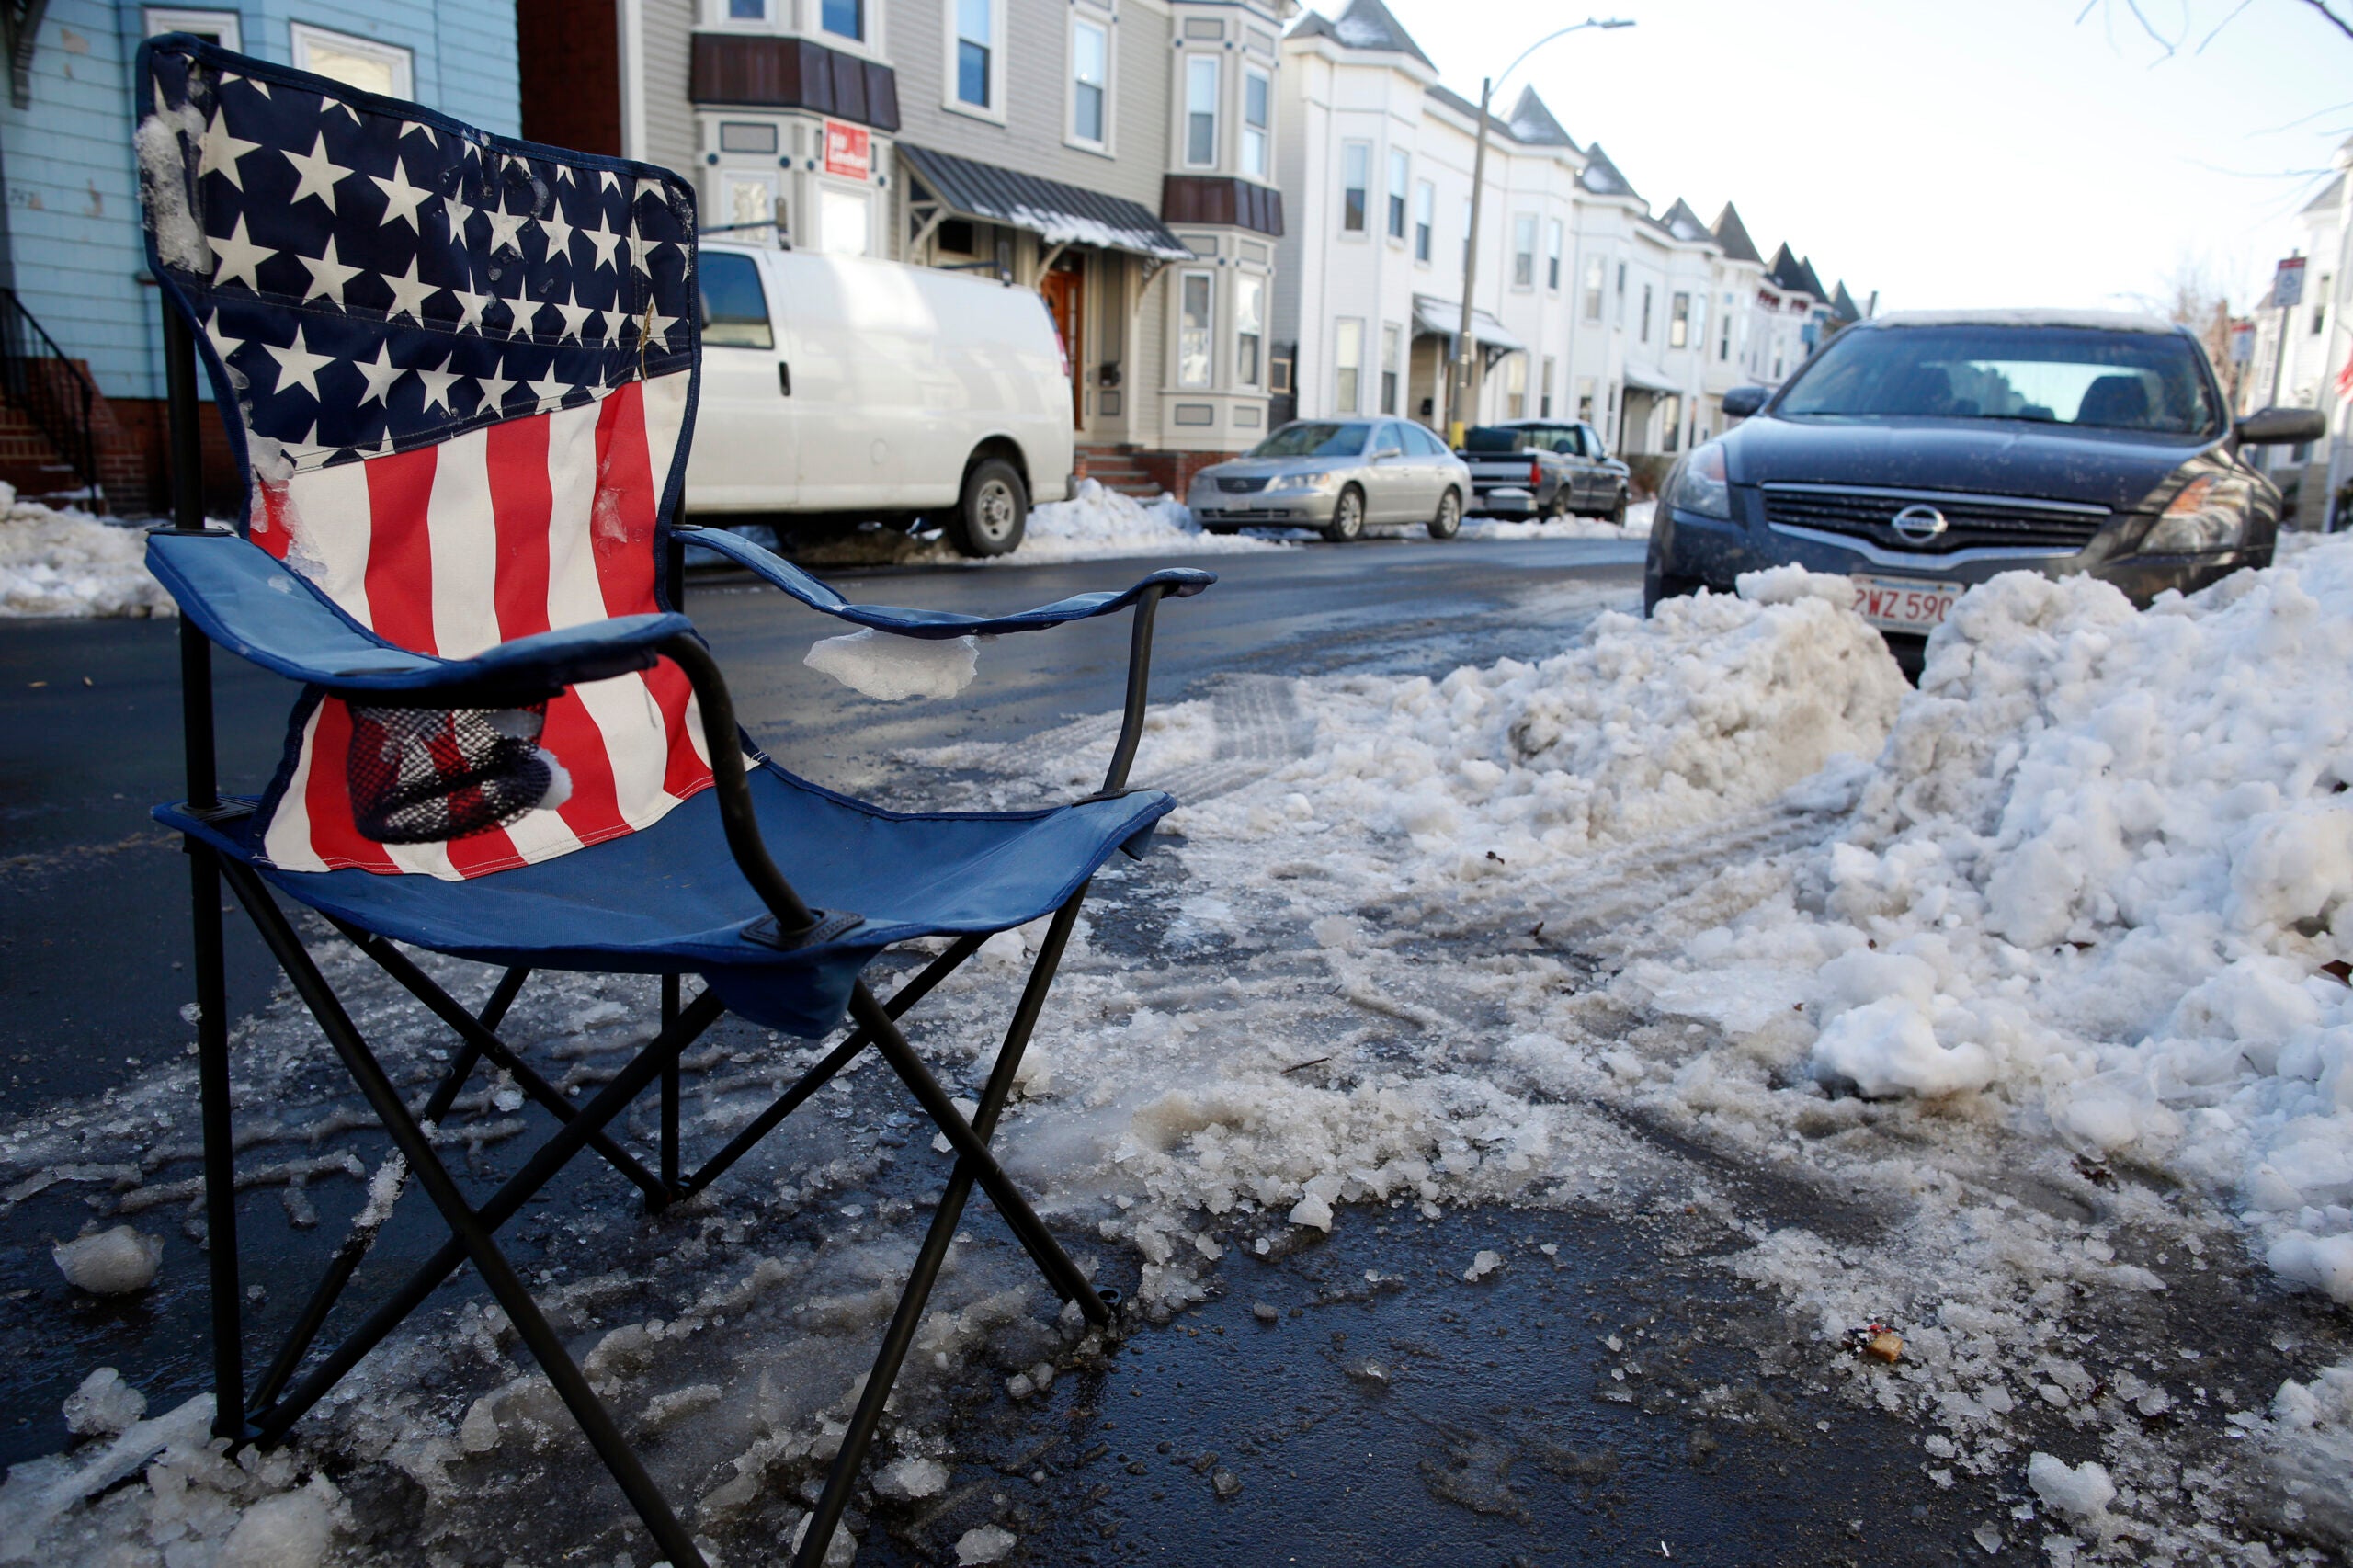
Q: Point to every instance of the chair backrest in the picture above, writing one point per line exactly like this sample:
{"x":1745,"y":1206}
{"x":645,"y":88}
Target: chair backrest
{"x":457,"y":374}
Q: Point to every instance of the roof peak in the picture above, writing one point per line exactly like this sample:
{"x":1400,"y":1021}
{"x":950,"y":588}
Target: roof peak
{"x":1532,"y":122}
{"x":1732,"y":234}
{"x":1601,"y":177}
{"x":1367,"y":24}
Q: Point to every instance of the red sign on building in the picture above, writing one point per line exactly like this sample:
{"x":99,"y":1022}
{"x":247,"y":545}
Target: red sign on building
{"x":849,"y":150}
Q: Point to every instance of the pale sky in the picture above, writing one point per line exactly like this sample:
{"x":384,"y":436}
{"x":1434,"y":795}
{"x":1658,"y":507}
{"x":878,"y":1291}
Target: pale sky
{"x":1994,"y":152}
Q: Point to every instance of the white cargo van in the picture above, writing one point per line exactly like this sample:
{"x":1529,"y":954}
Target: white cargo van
{"x":835,"y":387}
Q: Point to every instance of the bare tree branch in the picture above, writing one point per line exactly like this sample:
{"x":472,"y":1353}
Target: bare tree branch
{"x":2225,"y":22}
{"x":2342,"y":24}
{"x":2157,"y":38}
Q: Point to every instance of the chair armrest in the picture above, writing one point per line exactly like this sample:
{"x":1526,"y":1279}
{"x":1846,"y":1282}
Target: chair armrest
{"x":1176,"y":581}
{"x":248,"y":602}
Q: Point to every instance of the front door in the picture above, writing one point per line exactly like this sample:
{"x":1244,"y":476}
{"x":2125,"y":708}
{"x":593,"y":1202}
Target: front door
{"x":1064,"y":287}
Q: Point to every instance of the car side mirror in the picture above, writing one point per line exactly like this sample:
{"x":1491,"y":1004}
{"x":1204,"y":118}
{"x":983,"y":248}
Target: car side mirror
{"x":2280,"y":428}
{"x":1742,"y":402}
{"x":1385,"y":453}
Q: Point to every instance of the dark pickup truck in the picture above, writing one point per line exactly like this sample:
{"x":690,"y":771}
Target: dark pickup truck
{"x":1543,"y":468}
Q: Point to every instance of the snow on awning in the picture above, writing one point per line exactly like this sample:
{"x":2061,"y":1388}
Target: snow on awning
{"x":1058,"y":213}
{"x":1642,"y":381}
{"x":1441,"y":317}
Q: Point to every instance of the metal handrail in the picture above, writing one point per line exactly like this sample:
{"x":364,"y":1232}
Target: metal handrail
{"x":35,"y":375}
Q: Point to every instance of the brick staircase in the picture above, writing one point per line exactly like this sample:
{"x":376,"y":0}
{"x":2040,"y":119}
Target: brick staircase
{"x":27,"y":460}
{"x":1123,"y":470}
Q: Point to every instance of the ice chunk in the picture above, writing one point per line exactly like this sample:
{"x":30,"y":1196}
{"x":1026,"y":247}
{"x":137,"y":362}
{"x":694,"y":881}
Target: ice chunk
{"x":1792,"y":584}
{"x":985,"y":1543}
{"x":911,"y":1478}
{"x":103,"y":1405}
{"x":1889,"y":1048}
{"x":1484,"y":1264}
{"x":2081,"y":1493}
{"x":1311,"y":1210}
{"x":890,"y":668}
{"x":2323,"y":1263}
{"x":110,"y":1263}
{"x":289,"y":1530}
{"x":840,"y":1551}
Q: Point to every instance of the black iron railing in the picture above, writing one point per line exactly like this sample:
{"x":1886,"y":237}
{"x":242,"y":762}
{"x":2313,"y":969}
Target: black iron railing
{"x":54,"y":393}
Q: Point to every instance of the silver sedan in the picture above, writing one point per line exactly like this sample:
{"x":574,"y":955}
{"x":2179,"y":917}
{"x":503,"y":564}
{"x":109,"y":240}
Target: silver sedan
{"x":1338,"y":475}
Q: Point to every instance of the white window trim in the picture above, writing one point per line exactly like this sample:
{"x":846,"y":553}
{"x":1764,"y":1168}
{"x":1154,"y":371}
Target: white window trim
{"x":158,"y":19}
{"x":1185,"y":108}
{"x":1372,"y":216}
{"x":1071,"y":138}
{"x":1242,"y":126}
{"x":995,"y":112}
{"x":402,"y":59}
{"x":1260,"y":382}
{"x":1177,"y":360}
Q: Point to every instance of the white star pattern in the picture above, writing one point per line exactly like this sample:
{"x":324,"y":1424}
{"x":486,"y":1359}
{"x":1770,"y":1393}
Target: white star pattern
{"x":411,"y":127}
{"x":604,"y":239}
{"x":505,"y":228}
{"x":223,"y":343}
{"x":558,"y":232}
{"x":327,"y":274}
{"x":320,"y":174}
{"x":327,"y":104}
{"x":237,"y":257}
{"x":459,"y":212}
{"x":657,"y":327}
{"x":437,"y":386}
{"x":638,"y":249}
{"x":607,"y":180}
{"x":469,"y":307}
{"x":409,"y":293}
{"x":495,"y":388}
{"x":218,"y":152}
{"x":382,"y":375}
{"x":573,"y":311}
{"x":609,"y":326}
{"x":549,"y":390}
{"x":400,"y":198}
{"x":298,"y":367}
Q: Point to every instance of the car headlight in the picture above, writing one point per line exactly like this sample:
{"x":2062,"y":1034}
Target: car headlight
{"x":1702,"y":488}
{"x":1301,"y":481}
{"x":2209,"y":514}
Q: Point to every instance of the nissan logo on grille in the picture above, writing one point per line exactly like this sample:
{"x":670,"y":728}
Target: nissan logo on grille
{"x":1918,"y":524}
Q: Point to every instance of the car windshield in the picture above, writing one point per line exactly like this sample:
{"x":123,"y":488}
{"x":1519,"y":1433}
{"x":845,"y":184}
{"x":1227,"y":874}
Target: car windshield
{"x":2048,"y":375}
{"x":1314,"y":439}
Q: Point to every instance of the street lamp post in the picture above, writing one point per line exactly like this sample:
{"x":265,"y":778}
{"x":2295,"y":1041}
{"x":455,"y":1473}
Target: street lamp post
{"x":1460,"y":393}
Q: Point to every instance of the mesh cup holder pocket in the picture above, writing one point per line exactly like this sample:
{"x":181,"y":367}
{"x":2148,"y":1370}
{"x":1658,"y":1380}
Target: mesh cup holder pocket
{"x":429,"y":774}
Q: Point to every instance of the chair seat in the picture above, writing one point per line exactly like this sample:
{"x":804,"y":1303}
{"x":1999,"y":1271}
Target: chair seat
{"x":669,"y":900}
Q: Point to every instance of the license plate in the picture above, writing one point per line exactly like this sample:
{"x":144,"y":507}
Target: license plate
{"x":1899,"y":604}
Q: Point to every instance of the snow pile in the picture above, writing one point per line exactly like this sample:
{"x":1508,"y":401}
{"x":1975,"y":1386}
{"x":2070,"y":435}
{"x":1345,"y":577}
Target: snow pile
{"x":1638,"y":526}
{"x":109,"y":1263}
{"x":1714,"y":704}
{"x":2107,"y":859}
{"x":1096,"y":523}
{"x":888,"y":668}
{"x":69,"y":563}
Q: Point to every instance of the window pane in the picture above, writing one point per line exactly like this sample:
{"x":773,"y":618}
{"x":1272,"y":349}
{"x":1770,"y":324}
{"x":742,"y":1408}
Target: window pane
{"x":1398,"y":167}
{"x":1348,"y":353}
{"x":972,"y":20}
{"x":1523,"y":250}
{"x":1193,"y":332}
{"x":1201,"y":110}
{"x":1254,"y":152}
{"x":975,"y":32}
{"x":1390,"y":336}
{"x":1089,"y":50}
{"x":1257,"y":105}
{"x":1425,"y":210}
{"x":1356,"y":174}
{"x":748,"y":11}
{"x":1249,"y":296}
{"x":734,"y":310}
{"x":845,"y":18}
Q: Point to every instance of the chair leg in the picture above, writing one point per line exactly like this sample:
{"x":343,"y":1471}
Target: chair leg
{"x":220,"y":1145}
{"x":494,"y":1011}
{"x":669,"y":1093}
{"x":468,"y":1225}
{"x":827,"y":1515}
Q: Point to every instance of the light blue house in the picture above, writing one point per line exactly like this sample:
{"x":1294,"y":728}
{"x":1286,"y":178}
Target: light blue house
{"x":69,"y":251}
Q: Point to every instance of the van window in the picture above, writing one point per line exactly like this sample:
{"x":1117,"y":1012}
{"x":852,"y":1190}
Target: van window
{"x":734,"y":310}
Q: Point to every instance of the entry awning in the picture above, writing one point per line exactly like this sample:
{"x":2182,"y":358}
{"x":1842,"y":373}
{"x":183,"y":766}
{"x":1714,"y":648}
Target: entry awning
{"x":1441,"y":317}
{"x":1058,"y":213}
{"x":1643,"y":381}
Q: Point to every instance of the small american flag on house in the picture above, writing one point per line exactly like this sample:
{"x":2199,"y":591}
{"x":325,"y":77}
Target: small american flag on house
{"x":459,"y":372}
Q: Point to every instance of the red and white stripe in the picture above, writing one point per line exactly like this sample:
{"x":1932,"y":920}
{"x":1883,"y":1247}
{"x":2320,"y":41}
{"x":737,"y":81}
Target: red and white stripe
{"x":522,"y":526}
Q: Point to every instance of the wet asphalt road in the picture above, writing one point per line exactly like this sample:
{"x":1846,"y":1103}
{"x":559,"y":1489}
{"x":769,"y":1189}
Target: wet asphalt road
{"x":1303,"y":1415}
{"x":93,"y":894}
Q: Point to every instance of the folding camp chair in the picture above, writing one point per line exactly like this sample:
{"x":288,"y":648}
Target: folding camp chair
{"x":457,"y":374}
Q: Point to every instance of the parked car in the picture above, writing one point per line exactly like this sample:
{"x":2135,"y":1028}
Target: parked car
{"x":835,"y":388}
{"x":1921,"y":453}
{"x":1339,"y":475}
{"x":1543,"y":468}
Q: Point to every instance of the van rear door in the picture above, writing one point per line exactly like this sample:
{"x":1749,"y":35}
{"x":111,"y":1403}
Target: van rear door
{"x":746,"y":435}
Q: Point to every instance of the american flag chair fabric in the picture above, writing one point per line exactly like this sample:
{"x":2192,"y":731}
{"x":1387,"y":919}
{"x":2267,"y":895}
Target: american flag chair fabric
{"x":458,"y":374}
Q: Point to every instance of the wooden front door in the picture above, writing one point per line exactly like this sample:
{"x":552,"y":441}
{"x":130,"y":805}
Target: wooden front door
{"x":1064,"y":287}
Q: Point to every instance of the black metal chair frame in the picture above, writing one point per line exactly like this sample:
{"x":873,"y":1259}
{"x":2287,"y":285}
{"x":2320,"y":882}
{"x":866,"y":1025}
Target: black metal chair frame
{"x":267,"y":1413}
